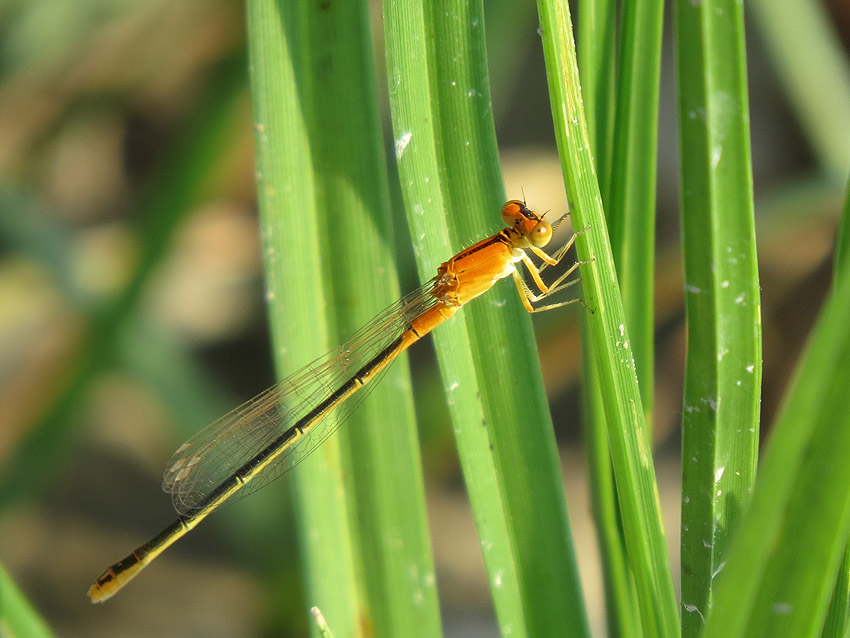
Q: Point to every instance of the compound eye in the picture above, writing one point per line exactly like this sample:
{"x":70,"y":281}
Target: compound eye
{"x":511,"y":212}
{"x":541,"y":234}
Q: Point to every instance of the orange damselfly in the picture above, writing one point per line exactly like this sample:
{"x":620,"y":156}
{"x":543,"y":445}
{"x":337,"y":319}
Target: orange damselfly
{"x":268,"y":435}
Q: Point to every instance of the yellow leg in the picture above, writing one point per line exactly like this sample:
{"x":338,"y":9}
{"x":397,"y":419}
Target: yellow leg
{"x":529,"y":297}
{"x":554,"y":260}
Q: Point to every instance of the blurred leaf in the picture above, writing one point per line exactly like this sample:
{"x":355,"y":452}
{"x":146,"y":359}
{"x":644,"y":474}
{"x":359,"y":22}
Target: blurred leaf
{"x":18,"y":619}
{"x":169,"y":198}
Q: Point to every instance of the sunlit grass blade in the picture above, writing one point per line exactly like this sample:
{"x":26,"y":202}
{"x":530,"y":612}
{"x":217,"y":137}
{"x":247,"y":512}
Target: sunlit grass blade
{"x":597,"y":48}
{"x":630,"y":446}
{"x":784,"y":559}
{"x":328,"y":238}
{"x":630,"y":203}
{"x":597,"y":60}
{"x":449,"y":172}
{"x":620,"y":597}
{"x":720,"y":420}
{"x":277,"y":40}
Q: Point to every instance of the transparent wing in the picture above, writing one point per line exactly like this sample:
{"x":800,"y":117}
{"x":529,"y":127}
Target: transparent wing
{"x":213,"y":455}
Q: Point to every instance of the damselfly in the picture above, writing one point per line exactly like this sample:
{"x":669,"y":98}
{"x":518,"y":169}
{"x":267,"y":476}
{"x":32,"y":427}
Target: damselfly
{"x":266,"y":436}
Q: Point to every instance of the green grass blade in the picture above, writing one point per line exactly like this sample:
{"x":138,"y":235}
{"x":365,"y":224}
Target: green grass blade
{"x":784,"y":559}
{"x":720,"y":420}
{"x":449,"y":172}
{"x":839,"y":609}
{"x":277,"y":40}
{"x":597,"y":46}
{"x":17,"y":616}
{"x":630,"y":204}
{"x":323,"y":184}
{"x":630,"y":446}
{"x":621,"y":606}
{"x":835,"y":625}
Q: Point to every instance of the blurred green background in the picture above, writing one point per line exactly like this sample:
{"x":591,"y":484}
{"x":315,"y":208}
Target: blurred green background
{"x":132,"y":302}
